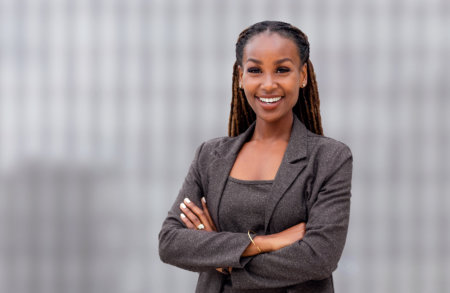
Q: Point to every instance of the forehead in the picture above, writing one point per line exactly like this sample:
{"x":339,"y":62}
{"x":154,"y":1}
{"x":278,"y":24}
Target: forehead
{"x":270,"y":45}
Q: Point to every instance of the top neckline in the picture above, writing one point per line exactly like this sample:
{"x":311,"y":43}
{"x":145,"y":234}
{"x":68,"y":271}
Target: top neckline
{"x":242,"y":181}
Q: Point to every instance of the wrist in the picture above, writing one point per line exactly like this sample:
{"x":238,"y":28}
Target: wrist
{"x":263,"y":242}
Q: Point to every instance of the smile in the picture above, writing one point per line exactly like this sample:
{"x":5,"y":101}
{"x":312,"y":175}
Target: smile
{"x":269,"y":100}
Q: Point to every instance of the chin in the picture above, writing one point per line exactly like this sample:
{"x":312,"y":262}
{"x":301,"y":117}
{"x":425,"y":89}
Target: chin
{"x":274,"y":118}
{"x":270,"y":118}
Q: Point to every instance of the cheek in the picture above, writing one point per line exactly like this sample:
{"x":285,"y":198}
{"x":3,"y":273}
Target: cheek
{"x":294,"y":97}
{"x":248,"y":94}
{"x":292,"y":84}
{"x":250,"y":83}
{"x":294,"y":90}
{"x":250,"y":87}
{"x":251,"y":101}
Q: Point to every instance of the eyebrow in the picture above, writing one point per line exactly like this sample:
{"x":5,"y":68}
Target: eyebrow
{"x":276,"y":62}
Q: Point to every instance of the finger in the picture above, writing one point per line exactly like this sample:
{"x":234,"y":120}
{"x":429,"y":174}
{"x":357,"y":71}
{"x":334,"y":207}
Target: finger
{"x":190,"y":215}
{"x":206,"y":211}
{"x":208,"y":215}
{"x":186,"y":221}
{"x":223,"y":271}
{"x":199,"y":213}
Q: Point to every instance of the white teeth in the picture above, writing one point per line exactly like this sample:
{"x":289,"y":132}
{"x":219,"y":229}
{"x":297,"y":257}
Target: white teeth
{"x":270,"y":100}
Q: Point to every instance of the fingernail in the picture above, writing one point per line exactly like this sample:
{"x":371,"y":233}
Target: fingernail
{"x":186,"y":200}
{"x":204,"y":199}
{"x":182,"y":215}
{"x":182,"y":205}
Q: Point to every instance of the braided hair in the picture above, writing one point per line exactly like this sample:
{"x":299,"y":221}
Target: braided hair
{"x":307,"y":108}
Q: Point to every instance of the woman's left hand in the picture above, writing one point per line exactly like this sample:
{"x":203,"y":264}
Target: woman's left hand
{"x":196,"y":218}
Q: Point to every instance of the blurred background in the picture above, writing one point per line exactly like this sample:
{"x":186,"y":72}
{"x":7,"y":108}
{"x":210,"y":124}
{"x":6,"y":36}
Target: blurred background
{"x":103,"y":102}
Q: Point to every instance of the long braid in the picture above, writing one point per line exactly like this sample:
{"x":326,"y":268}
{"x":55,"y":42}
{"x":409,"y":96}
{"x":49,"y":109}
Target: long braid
{"x":307,"y":108}
{"x":241,"y":114}
{"x":314,"y":99}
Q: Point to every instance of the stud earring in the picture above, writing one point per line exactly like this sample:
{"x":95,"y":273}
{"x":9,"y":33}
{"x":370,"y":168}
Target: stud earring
{"x":304,"y":84}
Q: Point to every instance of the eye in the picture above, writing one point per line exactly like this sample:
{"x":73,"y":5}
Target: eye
{"x":283,"y":69}
{"x":253,"y":70}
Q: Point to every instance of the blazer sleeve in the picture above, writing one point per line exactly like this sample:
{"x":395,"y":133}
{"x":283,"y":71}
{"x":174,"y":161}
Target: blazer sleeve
{"x":197,"y":250}
{"x":314,"y":257}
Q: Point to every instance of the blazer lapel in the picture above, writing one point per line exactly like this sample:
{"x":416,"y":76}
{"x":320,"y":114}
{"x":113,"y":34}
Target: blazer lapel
{"x":219,"y":175}
{"x":293,"y":162}
{"x":220,"y":169}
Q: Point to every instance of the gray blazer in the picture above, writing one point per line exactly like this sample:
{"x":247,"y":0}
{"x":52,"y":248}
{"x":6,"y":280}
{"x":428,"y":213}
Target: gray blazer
{"x":312,"y":185}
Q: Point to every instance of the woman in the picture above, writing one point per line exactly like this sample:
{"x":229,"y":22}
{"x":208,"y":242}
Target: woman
{"x":267,"y":208}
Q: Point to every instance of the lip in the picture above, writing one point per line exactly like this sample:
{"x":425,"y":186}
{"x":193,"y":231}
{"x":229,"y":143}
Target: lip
{"x":269,"y":96}
{"x":269,"y":106}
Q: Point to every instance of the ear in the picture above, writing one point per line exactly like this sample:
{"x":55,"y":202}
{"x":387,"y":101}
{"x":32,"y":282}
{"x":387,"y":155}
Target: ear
{"x":304,"y":76}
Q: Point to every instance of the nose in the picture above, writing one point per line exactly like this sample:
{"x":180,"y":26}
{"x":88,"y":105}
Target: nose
{"x":268,"y":83}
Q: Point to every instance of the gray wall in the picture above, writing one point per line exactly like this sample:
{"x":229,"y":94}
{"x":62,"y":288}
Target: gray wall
{"x":102,"y":104}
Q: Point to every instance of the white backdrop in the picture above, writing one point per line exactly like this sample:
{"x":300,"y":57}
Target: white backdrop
{"x":102,"y":103}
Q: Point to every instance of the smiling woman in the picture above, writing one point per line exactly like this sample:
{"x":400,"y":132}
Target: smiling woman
{"x":266,"y":208}
{"x":271,"y":75}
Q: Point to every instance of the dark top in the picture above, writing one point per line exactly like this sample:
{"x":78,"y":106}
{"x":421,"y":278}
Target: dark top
{"x":245,"y":198}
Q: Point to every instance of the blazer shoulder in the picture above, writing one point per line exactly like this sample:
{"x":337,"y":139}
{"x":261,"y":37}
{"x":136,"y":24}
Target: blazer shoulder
{"x":327,"y":146}
{"x":213,"y":148}
{"x":216,"y":142}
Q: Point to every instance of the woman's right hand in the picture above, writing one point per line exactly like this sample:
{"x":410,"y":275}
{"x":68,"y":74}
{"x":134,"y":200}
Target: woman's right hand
{"x":272,"y":242}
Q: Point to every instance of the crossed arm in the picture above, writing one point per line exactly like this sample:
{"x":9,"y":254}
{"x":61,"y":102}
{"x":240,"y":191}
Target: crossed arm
{"x":289,"y":257}
{"x":194,"y":217}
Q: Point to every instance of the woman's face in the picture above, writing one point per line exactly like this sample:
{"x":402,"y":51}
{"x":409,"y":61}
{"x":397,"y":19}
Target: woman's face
{"x":271,"y":76}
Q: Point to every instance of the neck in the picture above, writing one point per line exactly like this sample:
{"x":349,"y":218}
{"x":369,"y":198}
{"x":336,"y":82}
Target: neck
{"x":272,"y":131}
